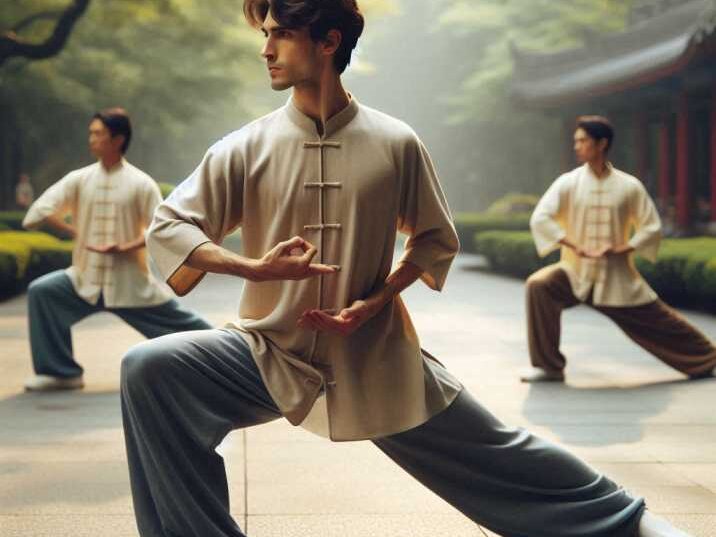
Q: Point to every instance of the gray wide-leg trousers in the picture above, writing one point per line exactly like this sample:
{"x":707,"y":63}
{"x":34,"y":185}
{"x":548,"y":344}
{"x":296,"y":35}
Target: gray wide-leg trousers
{"x":54,"y":306}
{"x":183,"y":393}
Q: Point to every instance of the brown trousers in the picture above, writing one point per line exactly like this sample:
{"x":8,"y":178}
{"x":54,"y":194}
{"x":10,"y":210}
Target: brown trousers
{"x":655,"y":326}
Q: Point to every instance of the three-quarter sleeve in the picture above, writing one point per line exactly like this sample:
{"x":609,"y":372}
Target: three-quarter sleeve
{"x":646,"y":224}
{"x":59,"y":199}
{"x":546,"y":230}
{"x":424,"y":216}
{"x":204,"y":208}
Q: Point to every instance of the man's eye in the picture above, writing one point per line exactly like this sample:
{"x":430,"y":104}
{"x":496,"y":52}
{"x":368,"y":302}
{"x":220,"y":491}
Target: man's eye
{"x":284,"y":34}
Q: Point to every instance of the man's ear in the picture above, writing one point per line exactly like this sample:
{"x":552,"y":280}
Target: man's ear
{"x":602,"y":144}
{"x":118,"y":141}
{"x":332,"y":42}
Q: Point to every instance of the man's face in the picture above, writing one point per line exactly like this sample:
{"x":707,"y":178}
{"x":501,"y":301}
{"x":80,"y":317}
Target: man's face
{"x":292,"y":57}
{"x":586,"y":148}
{"x":101,"y":142}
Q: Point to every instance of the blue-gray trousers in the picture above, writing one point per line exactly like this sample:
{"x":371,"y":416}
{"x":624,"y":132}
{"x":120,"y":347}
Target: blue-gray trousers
{"x":183,"y":393}
{"x":54,"y":306}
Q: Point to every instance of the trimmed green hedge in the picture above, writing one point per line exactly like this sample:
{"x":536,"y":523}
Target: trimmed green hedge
{"x":514,"y":203}
{"x":26,"y":255}
{"x":468,"y":225}
{"x":684,"y":273}
{"x":12,"y":219}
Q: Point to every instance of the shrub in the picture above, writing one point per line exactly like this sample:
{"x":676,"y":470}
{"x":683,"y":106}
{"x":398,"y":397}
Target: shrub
{"x":25,"y":255}
{"x":468,"y":225}
{"x":12,"y":219}
{"x":9,"y":282}
{"x":512,"y":252}
{"x":684,"y":273}
{"x":514,"y":203}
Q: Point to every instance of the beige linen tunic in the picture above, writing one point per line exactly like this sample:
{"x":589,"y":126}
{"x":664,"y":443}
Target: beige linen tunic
{"x":107,"y":206}
{"x":347,"y":192}
{"x":593,"y":213}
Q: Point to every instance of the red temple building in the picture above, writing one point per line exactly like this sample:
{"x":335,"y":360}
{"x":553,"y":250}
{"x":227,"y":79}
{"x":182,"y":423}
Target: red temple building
{"x":656,"y":81}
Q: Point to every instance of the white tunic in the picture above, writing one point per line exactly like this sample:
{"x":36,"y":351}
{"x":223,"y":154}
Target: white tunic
{"x":593,"y":213}
{"x":349,"y":192}
{"x":107,"y":207}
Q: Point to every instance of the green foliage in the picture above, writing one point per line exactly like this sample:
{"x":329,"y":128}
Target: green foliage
{"x":468,"y":225}
{"x":514,"y":203}
{"x":25,"y":255}
{"x":12,"y":219}
{"x":180,"y":67}
{"x":10,"y":284}
{"x":511,"y":252}
{"x":539,"y":25}
{"x":684,"y":273}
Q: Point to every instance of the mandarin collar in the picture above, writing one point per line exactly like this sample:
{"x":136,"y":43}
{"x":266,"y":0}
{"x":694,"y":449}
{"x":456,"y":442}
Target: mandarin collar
{"x":589,"y":173}
{"x":333,"y":124}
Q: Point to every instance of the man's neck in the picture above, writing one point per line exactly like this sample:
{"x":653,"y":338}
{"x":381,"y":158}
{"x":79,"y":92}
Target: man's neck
{"x":600,"y":168}
{"x":321,"y":101}
{"x":110,"y":161}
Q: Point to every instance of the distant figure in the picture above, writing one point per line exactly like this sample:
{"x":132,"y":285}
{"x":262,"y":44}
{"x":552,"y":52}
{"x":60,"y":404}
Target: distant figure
{"x":111,"y":203}
{"x":591,"y":212}
{"x":24,"y":193}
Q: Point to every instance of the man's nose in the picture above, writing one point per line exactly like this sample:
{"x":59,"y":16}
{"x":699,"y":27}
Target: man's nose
{"x":268,"y":52}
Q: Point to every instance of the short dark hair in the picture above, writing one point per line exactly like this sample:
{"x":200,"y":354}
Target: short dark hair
{"x":319,"y":16}
{"x":117,"y":122}
{"x":598,"y":128}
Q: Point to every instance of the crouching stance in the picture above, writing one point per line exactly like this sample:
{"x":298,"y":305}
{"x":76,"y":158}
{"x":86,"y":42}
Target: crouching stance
{"x":110,"y":203}
{"x":600,"y":217}
{"x":319,"y":188}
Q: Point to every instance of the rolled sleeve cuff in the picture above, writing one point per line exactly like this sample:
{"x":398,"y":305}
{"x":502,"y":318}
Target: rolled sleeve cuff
{"x":170,"y":255}
{"x":434,"y":264}
{"x":646,"y":247}
{"x":35,"y":217}
{"x":547,"y":244}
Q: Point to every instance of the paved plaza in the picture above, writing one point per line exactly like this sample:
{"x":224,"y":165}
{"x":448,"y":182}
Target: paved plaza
{"x":63,"y":470}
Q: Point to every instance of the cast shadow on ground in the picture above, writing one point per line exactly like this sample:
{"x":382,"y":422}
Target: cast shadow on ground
{"x":603,"y":415}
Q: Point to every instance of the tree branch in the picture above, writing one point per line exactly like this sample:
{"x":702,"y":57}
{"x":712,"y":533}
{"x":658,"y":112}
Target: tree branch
{"x":11,"y":46}
{"x":28,"y":21}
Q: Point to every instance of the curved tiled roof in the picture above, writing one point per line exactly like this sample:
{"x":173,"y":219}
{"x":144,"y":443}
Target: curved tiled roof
{"x":650,"y":49}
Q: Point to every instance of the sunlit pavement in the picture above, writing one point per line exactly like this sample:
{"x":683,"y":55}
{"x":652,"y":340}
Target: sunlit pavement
{"x":62,"y":461}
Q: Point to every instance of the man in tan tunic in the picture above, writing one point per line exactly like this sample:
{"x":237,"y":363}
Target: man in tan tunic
{"x":601,"y":217}
{"x":319,"y":188}
{"x":110,"y":204}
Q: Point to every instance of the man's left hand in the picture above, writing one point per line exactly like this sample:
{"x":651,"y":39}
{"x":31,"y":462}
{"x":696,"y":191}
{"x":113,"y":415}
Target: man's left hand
{"x":107,"y":249}
{"x":344,"y":322}
{"x":608,"y":251}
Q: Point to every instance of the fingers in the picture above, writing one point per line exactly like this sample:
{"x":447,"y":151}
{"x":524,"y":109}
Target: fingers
{"x":324,"y":321}
{"x":310,"y":254}
{"x":318,"y":268}
{"x":293,"y":242}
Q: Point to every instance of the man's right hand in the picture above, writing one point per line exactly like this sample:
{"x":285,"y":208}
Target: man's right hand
{"x":290,"y":260}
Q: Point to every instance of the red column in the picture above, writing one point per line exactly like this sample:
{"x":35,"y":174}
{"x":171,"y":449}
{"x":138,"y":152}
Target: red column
{"x":682,"y":163}
{"x":664,"y":165}
{"x":713,"y":156}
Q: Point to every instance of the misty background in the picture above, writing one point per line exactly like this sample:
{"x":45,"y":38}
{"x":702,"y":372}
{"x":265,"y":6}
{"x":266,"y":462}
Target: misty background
{"x":189,"y":72}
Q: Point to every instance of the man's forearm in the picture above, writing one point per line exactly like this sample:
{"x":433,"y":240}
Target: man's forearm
{"x":136,"y":244}
{"x":210,"y":257}
{"x":60,"y":225}
{"x":569,"y":244}
{"x":403,"y":277}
